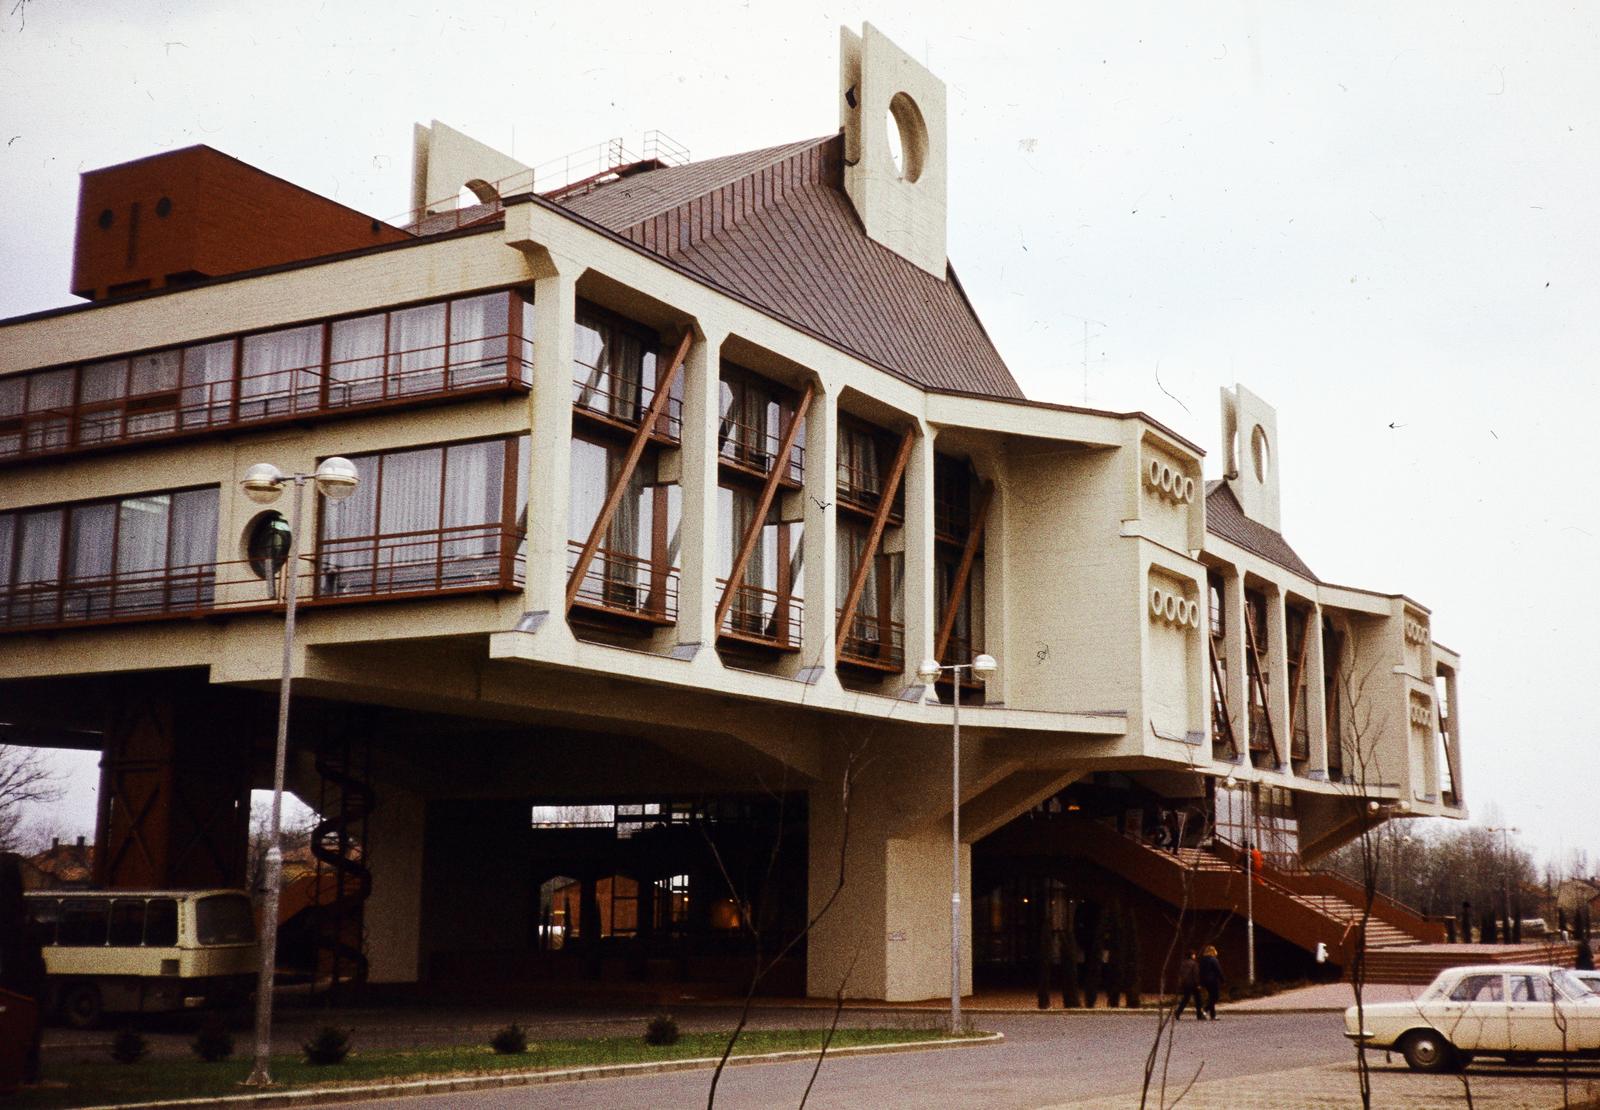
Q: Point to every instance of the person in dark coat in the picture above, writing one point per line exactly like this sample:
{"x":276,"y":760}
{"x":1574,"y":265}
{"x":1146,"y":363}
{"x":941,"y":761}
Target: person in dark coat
{"x":21,"y":955}
{"x":1189,"y":987}
{"x":1211,"y":979}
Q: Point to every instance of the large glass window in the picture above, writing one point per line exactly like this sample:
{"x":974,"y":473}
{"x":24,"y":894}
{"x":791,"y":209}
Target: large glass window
{"x":427,"y":519}
{"x":633,"y":569}
{"x":150,"y":553}
{"x":408,"y":352}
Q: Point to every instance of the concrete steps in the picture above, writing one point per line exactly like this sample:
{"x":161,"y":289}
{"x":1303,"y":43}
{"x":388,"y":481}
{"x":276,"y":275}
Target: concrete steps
{"x":1420,"y":964}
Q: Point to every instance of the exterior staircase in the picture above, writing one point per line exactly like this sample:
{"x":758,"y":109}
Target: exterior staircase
{"x":1306,"y":908}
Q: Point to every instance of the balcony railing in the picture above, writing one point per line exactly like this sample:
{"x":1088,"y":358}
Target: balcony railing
{"x":753,"y":449}
{"x":626,"y":585}
{"x":435,"y":561}
{"x":623,"y":404}
{"x":763,"y":616}
{"x":442,"y":561}
{"x":466,"y":366}
{"x":860,"y":486}
{"x":875,"y":643}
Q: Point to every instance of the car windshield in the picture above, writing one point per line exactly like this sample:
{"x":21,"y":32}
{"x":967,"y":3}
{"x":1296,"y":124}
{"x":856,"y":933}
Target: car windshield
{"x":225,"y":919}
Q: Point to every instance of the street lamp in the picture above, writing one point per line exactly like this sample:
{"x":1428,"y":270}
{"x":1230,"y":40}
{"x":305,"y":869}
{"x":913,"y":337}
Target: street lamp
{"x":1232,"y":783}
{"x":336,"y":478}
{"x":1505,"y":832}
{"x":929,"y":670}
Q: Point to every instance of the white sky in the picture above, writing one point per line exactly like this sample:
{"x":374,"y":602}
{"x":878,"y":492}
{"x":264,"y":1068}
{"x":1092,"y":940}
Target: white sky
{"x":1381,"y":218}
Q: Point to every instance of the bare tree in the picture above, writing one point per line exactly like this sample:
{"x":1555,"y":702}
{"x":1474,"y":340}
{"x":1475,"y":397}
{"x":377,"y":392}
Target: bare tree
{"x":25,"y":780}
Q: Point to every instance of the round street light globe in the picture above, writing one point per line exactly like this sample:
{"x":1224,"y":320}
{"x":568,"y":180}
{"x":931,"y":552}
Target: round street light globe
{"x":337,"y":478}
{"x":928,"y":670}
{"x":262,"y":483}
{"x":984,"y":664}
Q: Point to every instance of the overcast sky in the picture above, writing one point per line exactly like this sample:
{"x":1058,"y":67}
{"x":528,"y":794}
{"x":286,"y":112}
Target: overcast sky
{"x":1379,"y":217}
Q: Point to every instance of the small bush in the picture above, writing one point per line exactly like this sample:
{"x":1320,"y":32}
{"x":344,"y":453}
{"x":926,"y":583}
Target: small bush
{"x":213,"y":1043}
{"x":510,"y":1041}
{"x":128,"y":1047}
{"x":662,"y":1030}
{"x":330,"y":1046}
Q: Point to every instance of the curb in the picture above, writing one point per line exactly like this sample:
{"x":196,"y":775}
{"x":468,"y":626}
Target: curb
{"x":334,"y":1095}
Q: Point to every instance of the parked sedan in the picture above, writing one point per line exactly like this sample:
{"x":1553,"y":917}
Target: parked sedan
{"x":1520,"y":1012}
{"x":1590,"y":979}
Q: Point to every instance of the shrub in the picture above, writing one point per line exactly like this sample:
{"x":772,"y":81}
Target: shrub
{"x":510,"y":1041}
{"x":662,"y":1030}
{"x":330,"y":1046}
{"x":128,"y":1047}
{"x":213,"y":1043}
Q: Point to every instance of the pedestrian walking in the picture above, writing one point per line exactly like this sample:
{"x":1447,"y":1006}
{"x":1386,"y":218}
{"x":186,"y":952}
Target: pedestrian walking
{"x":1189,"y":987}
{"x":1211,"y":978}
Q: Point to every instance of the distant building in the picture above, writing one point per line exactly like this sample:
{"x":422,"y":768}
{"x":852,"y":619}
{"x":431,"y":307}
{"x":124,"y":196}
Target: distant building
{"x":671,"y":473}
{"x":60,"y":867}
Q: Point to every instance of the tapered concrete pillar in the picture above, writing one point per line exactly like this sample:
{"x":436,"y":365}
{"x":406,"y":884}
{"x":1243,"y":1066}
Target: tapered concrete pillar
{"x":1316,"y":696}
{"x":1276,"y":664}
{"x":1236,"y":647}
{"x":921,"y":617}
{"x":817,"y":637}
{"x":550,"y":445}
{"x":701,"y":538}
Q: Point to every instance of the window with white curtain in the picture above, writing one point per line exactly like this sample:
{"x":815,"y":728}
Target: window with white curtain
{"x":427,"y":518}
{"x":356,"y":359}
{"x":207,"y":383}
{"x":281,"y":372}
{"x":149,"y":553}
{"x":614,"y":365}
{"x":417,"y":349}
{"x":478,"y":339}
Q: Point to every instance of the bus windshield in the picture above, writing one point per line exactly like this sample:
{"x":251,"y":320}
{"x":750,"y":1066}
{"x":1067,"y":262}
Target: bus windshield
{"x":224,"y":919}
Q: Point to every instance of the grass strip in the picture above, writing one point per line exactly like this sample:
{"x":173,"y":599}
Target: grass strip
{"x":96,"y":1083}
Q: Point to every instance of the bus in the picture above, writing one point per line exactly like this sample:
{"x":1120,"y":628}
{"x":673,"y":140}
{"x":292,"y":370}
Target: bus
{"x":143,"y":951}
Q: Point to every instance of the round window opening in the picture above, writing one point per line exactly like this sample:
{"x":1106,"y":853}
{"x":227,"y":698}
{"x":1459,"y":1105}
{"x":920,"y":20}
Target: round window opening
{"x":1260,"y":453}
{"x":267,"y":545}
{"x":908,"y":137}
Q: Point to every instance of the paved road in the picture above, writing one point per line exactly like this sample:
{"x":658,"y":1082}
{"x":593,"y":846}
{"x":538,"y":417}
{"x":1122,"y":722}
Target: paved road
{"x":1045,"y":1060}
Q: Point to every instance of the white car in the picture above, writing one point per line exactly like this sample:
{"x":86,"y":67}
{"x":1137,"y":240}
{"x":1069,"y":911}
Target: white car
{"x":1590,"y":979}
{"x":1520,"y":1012}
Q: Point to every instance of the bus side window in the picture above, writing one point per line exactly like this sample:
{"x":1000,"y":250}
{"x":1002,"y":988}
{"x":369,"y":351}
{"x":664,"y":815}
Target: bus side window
{"x":46,"y":912}
{"x":127,"y":923}
{"x":161,"y":923}
{"x":83,"y":922}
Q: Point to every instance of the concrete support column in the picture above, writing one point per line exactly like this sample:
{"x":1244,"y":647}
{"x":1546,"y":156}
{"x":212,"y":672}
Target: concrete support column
{"x":550,"y":444}
{"x":700,"y":529}
{"x":1236,"y":647}
{"x":1277,"y":676}
{"x":393,"y":913}
{"x":817,"y":639}
{"x":1316,"y":696}
{"x":887,"y":932}
{"x":996,"y":608}
{"x":921,"y":615}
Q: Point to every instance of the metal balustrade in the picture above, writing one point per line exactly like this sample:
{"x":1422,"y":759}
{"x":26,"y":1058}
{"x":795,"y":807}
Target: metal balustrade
{"x":753,"y":449}
{"x":416,"y":564}
{"x":624,"y":403}
{"x":763,"y":616}
{"x":871,"y":642}
{"x":83,"y":421}
{"x":626,"y":585}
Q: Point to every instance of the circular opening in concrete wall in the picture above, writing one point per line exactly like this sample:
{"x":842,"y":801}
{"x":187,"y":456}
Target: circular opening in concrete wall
{"x":908,"y":137}
{"x":1260,"y":453}
{"x":266,"y":544}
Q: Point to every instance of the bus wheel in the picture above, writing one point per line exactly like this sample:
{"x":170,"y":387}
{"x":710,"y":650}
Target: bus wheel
{"x":80,"y":1006}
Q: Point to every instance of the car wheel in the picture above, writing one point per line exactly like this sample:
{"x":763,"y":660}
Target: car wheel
{"x":80,"y":1006}
{"x":1427,"y":1050}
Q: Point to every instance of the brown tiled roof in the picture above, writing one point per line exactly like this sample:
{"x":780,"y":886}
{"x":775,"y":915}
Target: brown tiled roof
{"x":775,"y":227}
{"x":1225,"y":518}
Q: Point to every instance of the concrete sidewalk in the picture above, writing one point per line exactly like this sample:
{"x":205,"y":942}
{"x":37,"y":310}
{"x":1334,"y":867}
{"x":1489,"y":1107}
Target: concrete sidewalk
{"x":1322,"y":998}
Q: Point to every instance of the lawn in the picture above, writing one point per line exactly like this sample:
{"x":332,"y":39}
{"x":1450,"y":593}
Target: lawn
{"x":98,"y":1083}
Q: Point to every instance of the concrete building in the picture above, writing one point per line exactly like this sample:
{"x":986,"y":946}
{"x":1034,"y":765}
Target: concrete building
{"x":671,"y":473}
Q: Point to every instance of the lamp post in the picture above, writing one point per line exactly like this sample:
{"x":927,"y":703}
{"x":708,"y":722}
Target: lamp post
{"x":1505,"y":832}
{"x":336,"y":479}
{"x":1231,"y":783}
{"x":929,"y":671}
